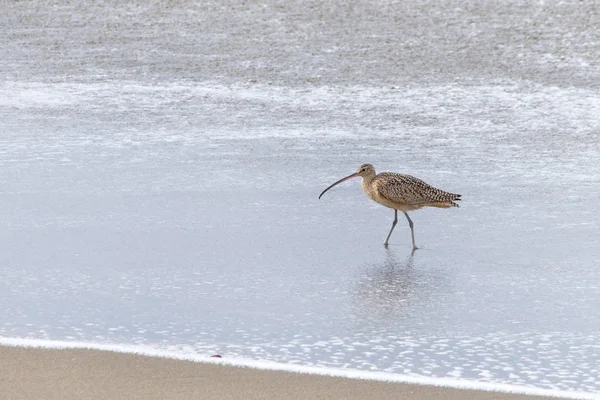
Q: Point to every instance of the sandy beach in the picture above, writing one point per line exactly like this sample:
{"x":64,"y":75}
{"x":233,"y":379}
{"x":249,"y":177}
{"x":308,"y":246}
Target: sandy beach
{"x":28,"y":373}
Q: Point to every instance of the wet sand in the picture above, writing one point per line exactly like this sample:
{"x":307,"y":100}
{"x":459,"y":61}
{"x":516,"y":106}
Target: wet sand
{"x":27,"y":373}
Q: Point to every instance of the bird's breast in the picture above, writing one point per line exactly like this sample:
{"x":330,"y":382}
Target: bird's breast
{"x":374,"y":194}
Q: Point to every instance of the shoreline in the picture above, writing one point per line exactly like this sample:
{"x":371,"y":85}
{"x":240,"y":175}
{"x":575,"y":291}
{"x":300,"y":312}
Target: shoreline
{"x":56,"y":370}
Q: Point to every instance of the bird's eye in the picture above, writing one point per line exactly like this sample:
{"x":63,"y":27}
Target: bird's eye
{"x":363,"y":170}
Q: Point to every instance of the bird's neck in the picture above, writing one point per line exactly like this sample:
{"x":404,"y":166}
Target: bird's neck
{"x":368,"y":178}
{"x":366,"y":183}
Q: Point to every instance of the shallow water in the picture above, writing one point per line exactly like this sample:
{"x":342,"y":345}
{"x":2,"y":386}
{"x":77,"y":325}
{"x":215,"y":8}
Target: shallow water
{"x":169,"y":198}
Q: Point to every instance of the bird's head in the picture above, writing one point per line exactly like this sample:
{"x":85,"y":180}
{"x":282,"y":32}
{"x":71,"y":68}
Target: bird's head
{"x":364,"y":171}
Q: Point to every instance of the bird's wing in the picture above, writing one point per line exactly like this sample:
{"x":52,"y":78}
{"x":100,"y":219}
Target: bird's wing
{"x":407,"y":189}
{"x":398,"y":188}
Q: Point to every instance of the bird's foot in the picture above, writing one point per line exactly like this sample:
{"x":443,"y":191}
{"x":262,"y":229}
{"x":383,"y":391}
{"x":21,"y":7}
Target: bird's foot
{"x":415,"y":248}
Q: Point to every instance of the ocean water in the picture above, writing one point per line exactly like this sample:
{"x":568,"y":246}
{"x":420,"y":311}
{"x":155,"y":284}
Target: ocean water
{"x":161,"y":164}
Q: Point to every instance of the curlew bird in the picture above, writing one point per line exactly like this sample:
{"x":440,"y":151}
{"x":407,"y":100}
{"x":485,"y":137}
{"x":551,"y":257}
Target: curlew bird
{"x":400,"y":192}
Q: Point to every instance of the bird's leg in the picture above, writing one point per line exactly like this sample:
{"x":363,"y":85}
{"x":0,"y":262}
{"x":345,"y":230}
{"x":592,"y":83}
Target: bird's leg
{"x":393,"y":225}
{"x":412,"y":231}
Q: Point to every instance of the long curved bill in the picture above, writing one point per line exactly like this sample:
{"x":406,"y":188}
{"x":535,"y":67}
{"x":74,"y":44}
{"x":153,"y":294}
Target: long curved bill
{"x":354,"y":175}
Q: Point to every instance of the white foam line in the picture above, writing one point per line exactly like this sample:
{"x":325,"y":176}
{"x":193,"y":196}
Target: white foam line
{"x":274,"y":366}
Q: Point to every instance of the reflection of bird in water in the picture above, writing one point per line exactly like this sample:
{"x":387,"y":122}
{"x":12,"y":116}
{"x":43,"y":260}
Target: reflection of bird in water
{"x":398,"y":294}
{"x":400,"y":192}
{"x":388,"y":287}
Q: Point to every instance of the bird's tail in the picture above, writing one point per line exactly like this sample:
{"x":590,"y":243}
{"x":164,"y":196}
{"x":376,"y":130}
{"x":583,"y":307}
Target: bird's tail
{"x":448,"y":202}
{"x":456,"y":198}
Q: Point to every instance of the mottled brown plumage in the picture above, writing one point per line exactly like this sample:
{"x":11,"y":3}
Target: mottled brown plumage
{"x":400,"y":192}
